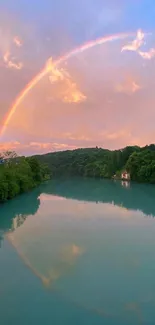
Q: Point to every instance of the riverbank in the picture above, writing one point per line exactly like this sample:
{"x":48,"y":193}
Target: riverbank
{"x":21,"y":175}
{"x":138,"y":162}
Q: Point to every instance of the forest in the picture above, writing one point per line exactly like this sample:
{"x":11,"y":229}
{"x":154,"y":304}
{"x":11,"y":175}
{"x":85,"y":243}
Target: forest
{"x":103,"y":163}
{"x":19,"y":175}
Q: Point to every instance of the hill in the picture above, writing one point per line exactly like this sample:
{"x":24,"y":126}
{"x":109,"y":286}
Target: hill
{"x":103,"y":163}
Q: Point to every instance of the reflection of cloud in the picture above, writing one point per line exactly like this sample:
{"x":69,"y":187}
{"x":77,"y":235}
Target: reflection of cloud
{"x":67,"y":258}
{"x":71,"y":252}
{"x":134,"y":307}
{"x":49,"y":197}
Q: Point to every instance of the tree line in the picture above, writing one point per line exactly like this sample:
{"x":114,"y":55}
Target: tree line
{"x":20,"y":174}
{"x":103,"y":163}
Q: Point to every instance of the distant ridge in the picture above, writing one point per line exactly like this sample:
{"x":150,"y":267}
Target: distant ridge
{"x":103,"y":163}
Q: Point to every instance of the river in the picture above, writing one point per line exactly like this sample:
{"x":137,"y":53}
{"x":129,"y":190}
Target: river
{"x":78,"y":251}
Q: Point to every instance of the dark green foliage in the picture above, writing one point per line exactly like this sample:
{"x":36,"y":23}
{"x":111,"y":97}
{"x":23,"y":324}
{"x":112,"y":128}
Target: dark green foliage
{"x":142,"y":166}
{"x":82,"y":162}
{"x":19,"y":175}
{"x":97,"y":162}
{"x":35,"y":169}
{"x":3,"y":189}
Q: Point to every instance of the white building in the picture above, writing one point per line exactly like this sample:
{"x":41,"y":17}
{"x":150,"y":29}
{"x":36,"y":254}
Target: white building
{"x":125,"y":175}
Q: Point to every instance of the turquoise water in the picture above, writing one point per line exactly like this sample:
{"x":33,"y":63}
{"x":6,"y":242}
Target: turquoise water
{"x":78,"y":252}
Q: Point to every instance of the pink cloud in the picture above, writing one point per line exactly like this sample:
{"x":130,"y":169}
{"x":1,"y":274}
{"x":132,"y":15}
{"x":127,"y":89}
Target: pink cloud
{"x":9,"y":146}
{"x":129,"y":86}
{"x":7,"y":53}
{"x":34,"y":147}
{"x":68,"y":89}
{"x":76,"y":136}
{"x":147,"y":55}
{"x":48,"y":125}
{"x":136,"y":44}
{"x":18,"y":42}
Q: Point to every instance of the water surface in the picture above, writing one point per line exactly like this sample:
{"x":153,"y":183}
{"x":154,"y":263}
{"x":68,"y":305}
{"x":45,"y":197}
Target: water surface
{"x":78,"y":252}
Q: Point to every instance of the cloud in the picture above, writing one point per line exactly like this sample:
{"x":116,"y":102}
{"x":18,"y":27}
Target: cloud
{"x":147,"y":55}
{"x":69,"y":91}
{"x":116,"y":135}
{"x":76,"y":136}
{"x":34,"y":147}
{"x":128,"y":87}
{"x":105,"y":139}
{"x":10,"y":62}
{"x":9,"y":44}
{"x":17,"y":41}
{"x":9,"y":146}
{"x":50,"y":146}
{"x":136,"y":44}
{"x":106,"y":84}
{"x":123,"y":137}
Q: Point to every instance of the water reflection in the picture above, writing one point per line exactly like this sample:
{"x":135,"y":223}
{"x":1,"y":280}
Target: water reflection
{"x":131,"y":196}
{"x":125,"y":184}
{"x":14,"y":212}
{"x":1,"y":238}
{"x":37,"y":254}
{"x":95,"y":255}
{"x":122,"y":194}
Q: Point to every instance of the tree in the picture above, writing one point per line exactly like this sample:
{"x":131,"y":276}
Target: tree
{"x":36,"y":169}
{"x":20,"y":176}
{"x":97,"y":162}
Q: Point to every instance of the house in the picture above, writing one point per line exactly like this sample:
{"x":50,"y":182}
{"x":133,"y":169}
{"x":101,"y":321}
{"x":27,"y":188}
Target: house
{"x":125,"y":175}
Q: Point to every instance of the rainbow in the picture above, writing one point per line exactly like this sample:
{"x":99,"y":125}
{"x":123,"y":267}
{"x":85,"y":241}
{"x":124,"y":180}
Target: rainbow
{"x":46,"y":70}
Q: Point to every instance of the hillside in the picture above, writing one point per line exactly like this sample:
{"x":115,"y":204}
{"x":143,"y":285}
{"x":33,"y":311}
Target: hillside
{"x":98,"y":162}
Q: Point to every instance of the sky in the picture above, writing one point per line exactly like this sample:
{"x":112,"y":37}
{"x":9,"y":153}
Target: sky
{"x":97,"y":64}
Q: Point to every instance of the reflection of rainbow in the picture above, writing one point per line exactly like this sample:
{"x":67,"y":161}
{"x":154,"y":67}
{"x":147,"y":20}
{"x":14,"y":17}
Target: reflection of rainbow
{"x":46,"y":70}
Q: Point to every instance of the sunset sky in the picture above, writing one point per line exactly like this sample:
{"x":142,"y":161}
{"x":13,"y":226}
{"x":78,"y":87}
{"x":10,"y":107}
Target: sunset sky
{"x":89,"y":94}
